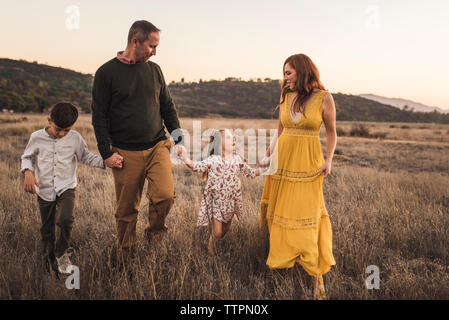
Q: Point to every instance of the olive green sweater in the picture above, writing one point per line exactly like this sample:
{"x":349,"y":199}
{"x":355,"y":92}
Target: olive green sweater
{"x":131,"y":104}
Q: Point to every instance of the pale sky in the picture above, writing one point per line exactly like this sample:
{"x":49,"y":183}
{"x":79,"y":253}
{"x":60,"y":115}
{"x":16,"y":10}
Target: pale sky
{"x":395,"y":48}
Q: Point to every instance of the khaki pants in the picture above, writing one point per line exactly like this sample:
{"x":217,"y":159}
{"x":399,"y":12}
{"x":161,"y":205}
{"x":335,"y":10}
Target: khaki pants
{"x":153,"y":165}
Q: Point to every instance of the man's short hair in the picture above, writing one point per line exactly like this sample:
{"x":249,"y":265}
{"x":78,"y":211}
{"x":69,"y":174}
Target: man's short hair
{"x":64,"y":114}
{"x":140,"y":30}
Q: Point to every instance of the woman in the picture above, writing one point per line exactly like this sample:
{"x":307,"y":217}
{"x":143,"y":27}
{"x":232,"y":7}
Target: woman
{"x":292,"y":204}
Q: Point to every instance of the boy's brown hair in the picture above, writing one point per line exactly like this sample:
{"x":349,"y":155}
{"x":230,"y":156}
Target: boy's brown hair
{"x":64,"y":114}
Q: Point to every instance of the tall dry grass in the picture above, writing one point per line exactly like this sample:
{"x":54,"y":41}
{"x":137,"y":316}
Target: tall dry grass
{"x":388,"y":204}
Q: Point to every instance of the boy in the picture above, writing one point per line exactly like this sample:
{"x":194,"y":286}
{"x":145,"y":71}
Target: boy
{"x":52,"y":176}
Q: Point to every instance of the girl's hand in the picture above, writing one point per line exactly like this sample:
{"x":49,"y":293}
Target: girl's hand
{"x":183,"y":155}
{"x":30,"y":182}
{"x":260,"y":171}
{"x":326,"y":169}
{"x":265,"y":162}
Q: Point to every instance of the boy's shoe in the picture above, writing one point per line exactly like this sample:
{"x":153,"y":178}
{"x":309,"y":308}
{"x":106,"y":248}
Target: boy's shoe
{"x":64,"y":263}
{"x":49,"y":259}
{"x":50,"y":263}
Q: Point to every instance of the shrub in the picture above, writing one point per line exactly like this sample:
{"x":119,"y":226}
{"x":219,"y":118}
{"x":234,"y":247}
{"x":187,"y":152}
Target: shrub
{"x":341,"y":132}
{"x":360,"y":131}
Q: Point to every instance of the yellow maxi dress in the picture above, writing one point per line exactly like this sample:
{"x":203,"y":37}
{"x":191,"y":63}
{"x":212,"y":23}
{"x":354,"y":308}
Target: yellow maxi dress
{"x":292,"y":204}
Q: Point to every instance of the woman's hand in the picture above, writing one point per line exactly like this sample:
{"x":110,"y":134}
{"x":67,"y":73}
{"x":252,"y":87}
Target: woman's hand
{"x":265,"y":162}
{"x":326,"y":169}
{"x":261,"y":171}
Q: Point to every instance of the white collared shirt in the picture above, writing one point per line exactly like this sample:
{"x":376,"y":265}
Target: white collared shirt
{"x":54,"y":161}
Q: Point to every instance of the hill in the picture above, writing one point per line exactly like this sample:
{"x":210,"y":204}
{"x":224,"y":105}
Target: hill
{"x":32,"y":87}
{"x":257,"y":99}
{"x":401,"y":103}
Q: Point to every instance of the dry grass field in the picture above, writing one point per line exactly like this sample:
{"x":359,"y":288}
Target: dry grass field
{"x":387,"y":197}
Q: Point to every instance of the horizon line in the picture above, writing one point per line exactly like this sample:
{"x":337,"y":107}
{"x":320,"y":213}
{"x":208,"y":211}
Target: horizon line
{"x":251,"y":79}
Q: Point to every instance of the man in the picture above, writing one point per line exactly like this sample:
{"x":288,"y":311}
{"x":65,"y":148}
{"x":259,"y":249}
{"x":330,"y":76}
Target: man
{"x":130,"y":106}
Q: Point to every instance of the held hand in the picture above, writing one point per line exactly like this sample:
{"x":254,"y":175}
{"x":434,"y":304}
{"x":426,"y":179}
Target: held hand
{"x":114,"y":161}
{"x":261,"y":171}
{"x":267,"y":153}
{"x":182,"y":152}
{"x":119,"y":164}
{"x":326,"y":169}
{"x":265,"y":162}
{"x":30,"y":182}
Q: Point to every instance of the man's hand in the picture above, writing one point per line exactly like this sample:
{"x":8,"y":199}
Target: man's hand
{"x":30,"y":182}
{"x":180,"y":151}
{"x":114,"y":161}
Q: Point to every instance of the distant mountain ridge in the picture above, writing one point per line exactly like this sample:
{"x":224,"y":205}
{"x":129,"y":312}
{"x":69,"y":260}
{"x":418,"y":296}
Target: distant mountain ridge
{"x":400,"y":103}
{"x":33,"y":87}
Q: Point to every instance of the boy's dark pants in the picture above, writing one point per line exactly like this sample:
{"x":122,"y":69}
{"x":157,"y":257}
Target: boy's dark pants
{"x":61,"y":212}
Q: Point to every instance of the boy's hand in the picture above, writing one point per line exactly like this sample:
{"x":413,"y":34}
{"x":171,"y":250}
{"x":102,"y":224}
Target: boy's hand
{"x":114,"y":161}
{"x":30,"y":182}
{"x":119,"y":164}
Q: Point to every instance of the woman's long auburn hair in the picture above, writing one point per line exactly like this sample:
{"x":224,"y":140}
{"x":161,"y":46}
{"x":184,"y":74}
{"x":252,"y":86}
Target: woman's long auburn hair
{"x":307,"y":79}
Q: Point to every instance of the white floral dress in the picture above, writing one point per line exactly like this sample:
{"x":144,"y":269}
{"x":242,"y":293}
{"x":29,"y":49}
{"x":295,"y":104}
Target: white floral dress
{"x":222,"y":196}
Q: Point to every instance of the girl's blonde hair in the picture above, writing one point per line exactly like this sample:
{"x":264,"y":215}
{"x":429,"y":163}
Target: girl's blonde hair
{"x":216,"y":147}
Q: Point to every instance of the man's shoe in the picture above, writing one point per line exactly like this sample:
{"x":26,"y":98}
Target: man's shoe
{"x":155,"y":235}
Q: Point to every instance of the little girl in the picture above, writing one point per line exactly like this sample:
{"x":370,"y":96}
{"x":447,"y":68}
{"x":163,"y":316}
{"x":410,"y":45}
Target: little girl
{"x":222,"y":196}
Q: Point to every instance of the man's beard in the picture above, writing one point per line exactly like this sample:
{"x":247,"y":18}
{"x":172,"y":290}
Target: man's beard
{"x":143,"y":59}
